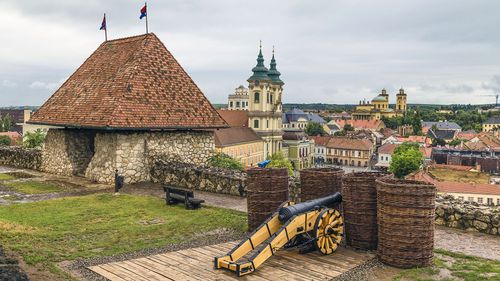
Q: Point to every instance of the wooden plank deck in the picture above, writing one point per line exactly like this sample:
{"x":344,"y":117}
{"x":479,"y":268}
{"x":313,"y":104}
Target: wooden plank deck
{"x":197,"y":264}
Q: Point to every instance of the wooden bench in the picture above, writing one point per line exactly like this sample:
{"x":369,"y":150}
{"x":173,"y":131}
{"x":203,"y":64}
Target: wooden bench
{"x":175,"y":195}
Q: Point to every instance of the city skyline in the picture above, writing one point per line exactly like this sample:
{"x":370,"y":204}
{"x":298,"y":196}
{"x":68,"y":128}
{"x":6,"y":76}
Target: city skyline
{"x":332,"y":52}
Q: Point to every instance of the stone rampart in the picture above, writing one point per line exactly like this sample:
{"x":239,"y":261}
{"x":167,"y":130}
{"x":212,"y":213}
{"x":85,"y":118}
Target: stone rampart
{"x":20,"y":157}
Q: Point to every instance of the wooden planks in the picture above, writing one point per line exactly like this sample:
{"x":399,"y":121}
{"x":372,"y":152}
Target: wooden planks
{"x":197,"y":264}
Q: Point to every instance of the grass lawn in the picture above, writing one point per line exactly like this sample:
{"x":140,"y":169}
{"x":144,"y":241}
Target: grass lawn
{"x":444,"y":174}
{"x":47,"y":232}
{"x":6,"y":177}
{"x":452,"y":266}
{"x":32,"y":187}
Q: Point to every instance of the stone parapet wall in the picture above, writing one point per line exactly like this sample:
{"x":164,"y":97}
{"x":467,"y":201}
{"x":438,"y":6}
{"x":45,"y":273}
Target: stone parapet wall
{"x":20,"y":157}
{"x":470,"y":216}
{"x":196,"y":177}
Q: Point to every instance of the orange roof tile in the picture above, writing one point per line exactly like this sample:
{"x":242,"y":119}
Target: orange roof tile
{"x":360,"y":124}
{"x":387,"y":148}
{"x":349,"y":143}
{"x":320,"y":140}
{"x":235,"y":135}
{"x":130,"y":83}
{"x":235,"y":118}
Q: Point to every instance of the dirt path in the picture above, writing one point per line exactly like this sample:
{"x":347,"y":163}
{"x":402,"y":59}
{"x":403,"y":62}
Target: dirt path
{"x":469,"y":243}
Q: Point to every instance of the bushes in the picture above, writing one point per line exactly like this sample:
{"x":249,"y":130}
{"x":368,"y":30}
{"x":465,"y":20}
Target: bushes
{"x":34,"y":139}
{"x":5,"y":140}
{"x":222,"y":160}
{"x":278,"y":160}
{"x":406,"y":159}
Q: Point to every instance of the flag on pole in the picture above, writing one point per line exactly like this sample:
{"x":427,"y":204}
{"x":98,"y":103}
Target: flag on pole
{"x":103,"y":24}
{"x":143,"y":11}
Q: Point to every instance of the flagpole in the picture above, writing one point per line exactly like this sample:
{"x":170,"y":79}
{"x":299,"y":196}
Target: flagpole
{"x":147,"y":12}
{"x":105,"y":29}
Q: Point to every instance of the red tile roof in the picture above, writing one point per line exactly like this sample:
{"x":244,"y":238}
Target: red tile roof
{"x":235,"y":135}
{"x":387,"y":148}
{"x":235,"y":118}
{"x":361,"y":124}
{"x":130,"y":83}
{"x":319,"y":140}
{"x":460,"y":187}
{"x":349,"y":143}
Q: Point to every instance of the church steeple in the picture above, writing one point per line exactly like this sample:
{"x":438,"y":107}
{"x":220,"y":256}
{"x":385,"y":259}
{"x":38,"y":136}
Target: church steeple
{"x":273,"y":73}
{"x":260,"y":71}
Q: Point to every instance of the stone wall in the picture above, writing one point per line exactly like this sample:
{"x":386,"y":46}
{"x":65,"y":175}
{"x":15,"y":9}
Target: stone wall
{"x":470,"y":216}
{"x":67,"y":152}
{"x":133,"y":153}
{"x":197,"y":177}
{"x":20,"y":157}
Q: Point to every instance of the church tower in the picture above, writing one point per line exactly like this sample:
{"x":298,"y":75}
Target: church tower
{"x":401,"y":106}
{"x":265,"y":109}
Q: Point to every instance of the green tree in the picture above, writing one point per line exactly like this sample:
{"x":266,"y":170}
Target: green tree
{"x":348,"y":127}
{"x":7,"y":123}
{"x":406,"y":159}
{"x":440,"y":142}
{"x":5,"y":140}
{"x":34,"y":139}
{"x":456,"y":142}
{"x":314,"y":129}
{"x":223,"y":160}
{"x":278,"y":160}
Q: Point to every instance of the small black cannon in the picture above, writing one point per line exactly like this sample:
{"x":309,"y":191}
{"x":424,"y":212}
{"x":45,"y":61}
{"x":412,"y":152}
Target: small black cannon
{"x":315,"y":224}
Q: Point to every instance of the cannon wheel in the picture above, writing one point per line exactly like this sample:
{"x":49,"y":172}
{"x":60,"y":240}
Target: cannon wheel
{"x":328,"y":230}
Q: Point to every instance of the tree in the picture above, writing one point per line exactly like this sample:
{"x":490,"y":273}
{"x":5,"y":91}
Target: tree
{"x":34,"y":139}
{"x":225,"y":161}
{"x":348,"y":127}
{"x":456,"y":142}
{"x":438,"y":142}
{"x":5,"y":140}
{"x":6,"y":123}
{"x":278,"y":160}
{"x":314,"y":129}
{"x":407,"y":158}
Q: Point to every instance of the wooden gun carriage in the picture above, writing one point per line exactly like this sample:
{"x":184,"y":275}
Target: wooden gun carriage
{"x":314,"y":224}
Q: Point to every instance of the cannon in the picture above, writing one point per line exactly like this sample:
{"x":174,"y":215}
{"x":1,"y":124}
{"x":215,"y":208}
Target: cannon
{"x":312,"y":225}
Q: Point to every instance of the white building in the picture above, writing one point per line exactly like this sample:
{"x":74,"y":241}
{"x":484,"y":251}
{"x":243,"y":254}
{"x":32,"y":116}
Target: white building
{"x":238,"y":100}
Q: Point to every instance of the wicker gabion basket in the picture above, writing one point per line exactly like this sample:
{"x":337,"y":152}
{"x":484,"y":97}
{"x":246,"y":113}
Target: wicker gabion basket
{"x":359,"y":197}
{"x":319,"y":182}
{"x":267,"y":189}
{"x":405,"y":213}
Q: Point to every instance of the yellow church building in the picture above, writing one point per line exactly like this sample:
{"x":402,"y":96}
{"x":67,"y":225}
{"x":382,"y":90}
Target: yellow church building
{"x":379,"y":107}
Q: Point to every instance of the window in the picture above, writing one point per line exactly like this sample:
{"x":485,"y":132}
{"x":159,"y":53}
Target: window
{"x":271,"y":98}
{"x":237,"y":104}
{"x":256,"y":123}
{"x":480,"y":200}
{"x":498,"y":201}
{"x":267,"y":123}
{"x":256,"y":97}
{"x":489,"y":201}
{"x":470,"y":199}
{"x":230,"y":104}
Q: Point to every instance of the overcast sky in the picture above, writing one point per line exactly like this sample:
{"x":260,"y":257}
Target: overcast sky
{"x":445,"y":51}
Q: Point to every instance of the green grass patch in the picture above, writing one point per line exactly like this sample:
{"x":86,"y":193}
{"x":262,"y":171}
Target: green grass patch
{"x":51,"y":231}
{"x":6,"y":177}
{"x":33,"y":187}
{"x":454,"y":266}
{"x":450,"y":175}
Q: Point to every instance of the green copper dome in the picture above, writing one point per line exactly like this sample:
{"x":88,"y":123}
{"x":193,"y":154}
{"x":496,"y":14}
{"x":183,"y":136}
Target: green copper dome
{"x":273,"y":73}
{"x":259,"y":71}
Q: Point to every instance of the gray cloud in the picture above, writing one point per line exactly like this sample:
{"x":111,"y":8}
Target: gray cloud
{"x":328,"y":51}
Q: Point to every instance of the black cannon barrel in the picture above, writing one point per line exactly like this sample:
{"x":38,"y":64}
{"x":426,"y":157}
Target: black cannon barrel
{"x":286,"y":213}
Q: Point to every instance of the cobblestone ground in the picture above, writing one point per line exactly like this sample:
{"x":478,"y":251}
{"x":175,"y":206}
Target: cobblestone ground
{"x":469,"y":243}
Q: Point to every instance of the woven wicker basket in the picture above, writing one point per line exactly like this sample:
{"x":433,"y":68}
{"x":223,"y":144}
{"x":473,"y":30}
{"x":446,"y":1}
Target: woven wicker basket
{"x":359,"y":196}
{"x":267,"y":189}
{"x":405,"y":212}
{"x":319,"y":182}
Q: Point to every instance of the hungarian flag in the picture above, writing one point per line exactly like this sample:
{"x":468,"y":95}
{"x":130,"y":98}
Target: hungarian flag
{"x":143,"y":12}
{"x":103,"y":24}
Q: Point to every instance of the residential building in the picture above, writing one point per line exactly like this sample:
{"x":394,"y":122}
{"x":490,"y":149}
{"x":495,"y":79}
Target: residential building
{"x":300,"y":148}
{"x":320,"y":143}
{"x":297,"y":118}
{"x":238,"y":100}
{"x":241,"y":143}
{"x":331,"y":128}
{"x":265,"y":89}
{"x":19,"y":117}
{"x":441,"y":125}
{"x":349,"y":151}
{"x":384,"y":155}
{"x":379,"y":107}
{"x":423,"y":141}
{"x":446,"y":135}
{"x":492,"y":124}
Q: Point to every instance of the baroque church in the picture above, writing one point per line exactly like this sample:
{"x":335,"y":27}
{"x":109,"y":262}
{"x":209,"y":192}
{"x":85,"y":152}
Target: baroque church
{"x":379,"y":107}
{"x":263,"y":102}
